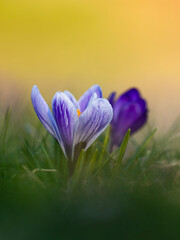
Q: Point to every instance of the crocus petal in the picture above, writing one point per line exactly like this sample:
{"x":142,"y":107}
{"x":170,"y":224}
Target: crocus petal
{"x":44,"y":114}
{"x":65,"y":114}
{"x":93,"y":98}
{"x":84,"y":100}
{"x":130,"y":113}
{"x":133,"y":115}
{"x":72,"y":98}
{"x":111,"y":98}
{"x":129,"y":96}
{"x":91,"y":123}
{"x":140,"y":117}
{"x":139,"y":122}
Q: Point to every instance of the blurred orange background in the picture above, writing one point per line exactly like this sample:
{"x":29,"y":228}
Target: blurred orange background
{"x":73,"y":44}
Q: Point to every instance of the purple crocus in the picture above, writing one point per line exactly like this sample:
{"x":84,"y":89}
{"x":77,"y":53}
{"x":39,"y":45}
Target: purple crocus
{"x":130,"y":111}
{"x":75,"y":124}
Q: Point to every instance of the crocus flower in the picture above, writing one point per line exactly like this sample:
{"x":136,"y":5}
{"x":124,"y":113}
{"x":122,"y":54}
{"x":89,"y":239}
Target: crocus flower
{"x":130,"y":111}
{"x":75,"y":124}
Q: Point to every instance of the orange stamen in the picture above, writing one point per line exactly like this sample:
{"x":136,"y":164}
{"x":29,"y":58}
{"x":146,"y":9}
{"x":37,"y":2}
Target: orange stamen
{"x":78,"y":112}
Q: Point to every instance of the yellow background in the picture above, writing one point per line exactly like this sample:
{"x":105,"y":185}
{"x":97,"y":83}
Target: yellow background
{"x":73,"y":44}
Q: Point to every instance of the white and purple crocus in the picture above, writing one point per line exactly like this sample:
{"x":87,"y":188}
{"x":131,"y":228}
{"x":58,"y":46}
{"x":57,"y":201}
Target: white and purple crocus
{"x":130,"y":111}
{"x":75,"y":124}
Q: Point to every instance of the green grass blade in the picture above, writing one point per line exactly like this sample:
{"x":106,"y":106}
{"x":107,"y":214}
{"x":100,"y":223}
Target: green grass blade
{"x":5,"y":128}
{"x":105,"y":162}
{"x":105,"y":143}
{"x":29,"y":154}
{"x":140,"y":149}
{"x":122,"y":150}
{"x":93,"y":163}
{"x":79,"y":166}
{"x":47,"y":156}
{"x":34,"y":177}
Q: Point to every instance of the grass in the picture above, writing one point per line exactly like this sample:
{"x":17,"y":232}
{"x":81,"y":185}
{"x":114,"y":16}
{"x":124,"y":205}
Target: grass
{"x":132,"y":193}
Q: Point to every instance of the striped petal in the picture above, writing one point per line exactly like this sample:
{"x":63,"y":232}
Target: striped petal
{"x":91,"y":123}
{"x":72,"y":98}
{"x":84,"y":100}
{"x":65,"y":114}
{"x":44,"y":114}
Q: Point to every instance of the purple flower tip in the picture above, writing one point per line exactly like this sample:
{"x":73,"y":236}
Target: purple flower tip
{"x":130,"y":111}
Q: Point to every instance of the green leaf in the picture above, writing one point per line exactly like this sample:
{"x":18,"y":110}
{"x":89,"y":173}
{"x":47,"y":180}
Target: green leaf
{"x":140,"y":149}
{"x":49,"y":161}
{"x":105,"y":143}
{"x":122,"y":150}
{"x":93,"y":164}
{"x":123,"y":147}
{"x":78,"y":167}
{"x":105,"y":162}
{"x":5,"y":128}
{"x":32,"y":175}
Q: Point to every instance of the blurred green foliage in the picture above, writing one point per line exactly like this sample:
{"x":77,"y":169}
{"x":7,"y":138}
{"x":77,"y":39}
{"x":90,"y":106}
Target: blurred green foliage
{"x":132,"y":193}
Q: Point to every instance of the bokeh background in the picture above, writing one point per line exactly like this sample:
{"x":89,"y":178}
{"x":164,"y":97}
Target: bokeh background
{"x":73,"y":44}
